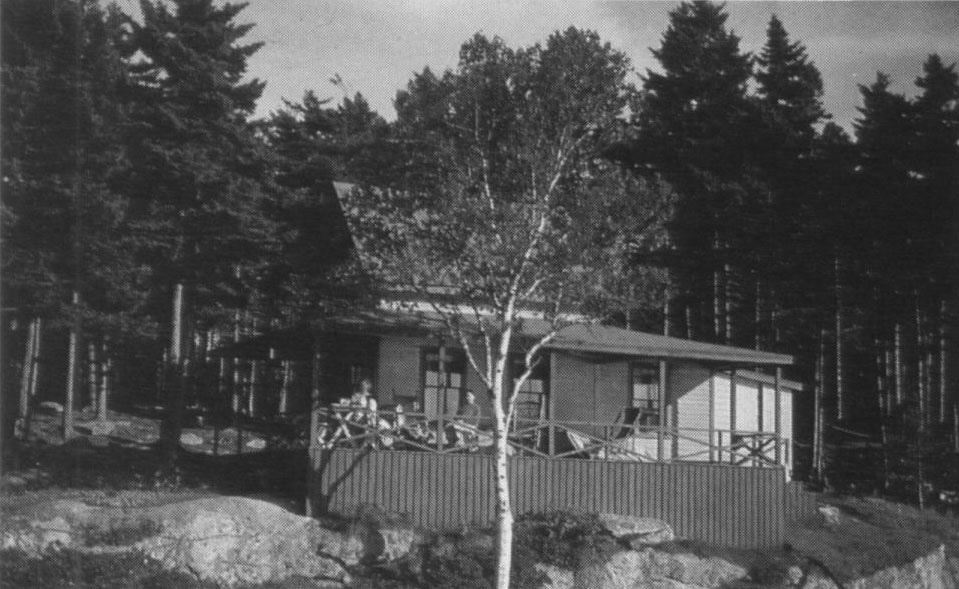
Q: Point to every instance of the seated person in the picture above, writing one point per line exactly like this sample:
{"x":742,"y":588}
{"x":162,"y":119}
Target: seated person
{"x":411,"y":427}
{"x":466,"y":424}
{"x":362,"y":412}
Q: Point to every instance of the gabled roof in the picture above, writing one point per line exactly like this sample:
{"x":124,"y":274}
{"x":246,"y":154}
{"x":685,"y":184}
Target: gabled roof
{"x":579,"y":337}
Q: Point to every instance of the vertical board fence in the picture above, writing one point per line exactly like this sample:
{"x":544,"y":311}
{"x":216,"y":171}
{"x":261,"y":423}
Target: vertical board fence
{"x":718,"y":504}
{"x":800,"y":503}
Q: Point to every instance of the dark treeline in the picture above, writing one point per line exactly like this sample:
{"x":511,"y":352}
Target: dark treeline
{"x":148,"y":219}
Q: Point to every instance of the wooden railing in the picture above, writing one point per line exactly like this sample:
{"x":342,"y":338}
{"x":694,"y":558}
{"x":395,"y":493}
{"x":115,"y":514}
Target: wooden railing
{"x":343,"y":426}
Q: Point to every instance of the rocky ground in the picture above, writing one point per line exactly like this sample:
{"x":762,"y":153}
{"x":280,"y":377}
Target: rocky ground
{"x":79,"y":515}
{"x":201,"y":539}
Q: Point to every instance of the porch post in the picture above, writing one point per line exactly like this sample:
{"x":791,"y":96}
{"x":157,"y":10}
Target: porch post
{"x":664,"y":409}
{"x":712,"y":414}
{"x":732,"y":413}
{"x":551,"y":408}
{"x":777,"y":425}
{"x":441,"y":402}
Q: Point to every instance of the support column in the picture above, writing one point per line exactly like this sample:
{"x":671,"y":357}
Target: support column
{"x":732,"y":413}
{"x":665,"y":412}
{"x":441,"y":401}
{"x":777,"y":426}
{"x":712,"y":415}
{"x":551,"y":407}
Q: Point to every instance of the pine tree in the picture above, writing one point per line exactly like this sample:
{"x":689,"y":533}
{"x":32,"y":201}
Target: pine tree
{"x":66,"y":258}
{"x":692,"y":127}
{"x":789,"y":83}
{"x":198,"y":173}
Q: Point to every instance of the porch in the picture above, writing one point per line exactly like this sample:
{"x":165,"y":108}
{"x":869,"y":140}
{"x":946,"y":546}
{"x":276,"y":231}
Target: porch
{"x":439,"y":472}
{"x":713,"y":503}
{"x":625,"y":440}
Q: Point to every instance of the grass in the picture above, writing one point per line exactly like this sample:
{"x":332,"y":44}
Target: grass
{"x":873,"y":534}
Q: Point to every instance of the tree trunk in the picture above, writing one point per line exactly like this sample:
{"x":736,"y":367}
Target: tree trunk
{"x":106,"y":368}
{"x":820,"y":381}
{"x":251,"y":397}
{"x":758,"y":316}
{"x":727,"y":304}
{"x":921,"y":381}
{"x":92,"y":380}
{"x":35,"y":362}
{"x":504,"y":513}
{"x":72,"y":368}
{"x":882,"y":396}
{"x":943,"y":387}
{"x":840,"y":389}
{"x":717,"y":307}
{"x":27,"y":373}
{"x":177,"y":371}
{"x":236,"y":389}
{"x":897,"y":363}
{"x":287,"y":372}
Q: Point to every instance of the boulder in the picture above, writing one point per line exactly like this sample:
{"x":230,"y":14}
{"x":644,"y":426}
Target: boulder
{"x":637,"y":531}
{"x":829,"y":514}
{"x":236,"y":541}
{"x":36,"y":537}
{"x":190,"y":439}
{"x":654,"y":569}
{"x":556,"y":577}
{"x":227,"y":541}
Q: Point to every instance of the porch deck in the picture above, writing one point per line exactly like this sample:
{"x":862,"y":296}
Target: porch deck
{"x":696,"y":481}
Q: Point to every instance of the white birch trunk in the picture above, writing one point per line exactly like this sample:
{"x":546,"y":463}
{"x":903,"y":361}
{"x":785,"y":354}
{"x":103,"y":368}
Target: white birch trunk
{"x":92,"y":380}
{"x":72,"y":362}
{"x":35,"y":360}
{"x":504,"y":512}
{"x":27,"y":372}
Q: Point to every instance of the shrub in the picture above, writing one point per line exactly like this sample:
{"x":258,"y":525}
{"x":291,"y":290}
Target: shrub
{"x":70,"y":568}
{"x":565,"y":539}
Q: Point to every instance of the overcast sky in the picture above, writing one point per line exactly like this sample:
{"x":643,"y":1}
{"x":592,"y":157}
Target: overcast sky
{"x":376,"y":45}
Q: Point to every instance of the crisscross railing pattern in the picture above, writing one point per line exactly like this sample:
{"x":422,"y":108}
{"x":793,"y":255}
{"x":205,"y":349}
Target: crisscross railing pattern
{"x":343,"y":426}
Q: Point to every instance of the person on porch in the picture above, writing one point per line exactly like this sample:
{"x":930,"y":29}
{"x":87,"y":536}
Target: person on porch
{"x":466,"y":424}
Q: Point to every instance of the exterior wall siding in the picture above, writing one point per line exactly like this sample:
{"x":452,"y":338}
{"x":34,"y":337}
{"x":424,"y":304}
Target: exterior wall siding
{"x":689,"y":385}
{"x":399,"y":368}
{"x":721,"y":505}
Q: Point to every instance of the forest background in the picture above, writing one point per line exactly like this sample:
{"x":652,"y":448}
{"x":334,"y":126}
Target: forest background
{"x":148,"y":218}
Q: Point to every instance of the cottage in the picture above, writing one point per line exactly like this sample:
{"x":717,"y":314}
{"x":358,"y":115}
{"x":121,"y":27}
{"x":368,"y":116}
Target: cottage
{"x":596,"y":389}
{"x":611,"y":420}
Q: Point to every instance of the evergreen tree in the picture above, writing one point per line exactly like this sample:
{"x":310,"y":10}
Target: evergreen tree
{"x":197,"y":172}
{"x":789,"y":84}
{"x":314,"y":146}
{"x":66,"y":256}
{"x":692,"y":128}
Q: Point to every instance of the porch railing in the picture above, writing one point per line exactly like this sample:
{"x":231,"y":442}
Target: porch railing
{"x":343,"y":426}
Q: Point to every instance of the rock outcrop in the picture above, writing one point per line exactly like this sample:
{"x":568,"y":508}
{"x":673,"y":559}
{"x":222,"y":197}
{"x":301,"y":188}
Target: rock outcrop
{"x":229,"y":541}
{"x":650,"y":568}
{"x":637,"y":531}
{"x":926,"y":572}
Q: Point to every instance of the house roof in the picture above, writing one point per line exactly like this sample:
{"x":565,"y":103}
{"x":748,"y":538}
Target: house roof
{"x":579,"y":337}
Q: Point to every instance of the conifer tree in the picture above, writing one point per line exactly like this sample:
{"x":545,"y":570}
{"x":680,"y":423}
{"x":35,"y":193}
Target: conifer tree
{"x":65,"y":254}
{"x":692,"y":128}
{"x":198,"y":173}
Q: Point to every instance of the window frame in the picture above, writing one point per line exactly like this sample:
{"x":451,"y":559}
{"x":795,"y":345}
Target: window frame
{"x":651,"y":411}
{"x":455,"y":357}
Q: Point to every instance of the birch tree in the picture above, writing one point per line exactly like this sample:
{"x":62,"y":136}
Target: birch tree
{"x":503,"y":207}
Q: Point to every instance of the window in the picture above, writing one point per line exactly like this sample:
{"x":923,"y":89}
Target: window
{"x":644,"y":394}
{"x":451,"y":380}
{"x":531,"y":400}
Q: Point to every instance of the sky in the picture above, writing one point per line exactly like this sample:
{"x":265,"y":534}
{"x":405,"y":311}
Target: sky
{"x":375,"y":46}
